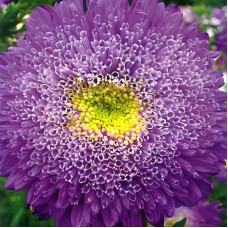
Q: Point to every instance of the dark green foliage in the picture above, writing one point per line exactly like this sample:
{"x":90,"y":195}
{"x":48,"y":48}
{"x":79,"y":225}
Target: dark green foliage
{"x":181,"y":223}
{"x":177,"y":2}
{"x":214,"y":3}
{"x":220,"y":194}
{"x":130,"y":2}
{"x":13,"y":17}
{"x":84,"y":5}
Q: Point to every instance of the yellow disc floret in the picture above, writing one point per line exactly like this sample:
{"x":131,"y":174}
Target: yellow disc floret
{"x":108,"y":111}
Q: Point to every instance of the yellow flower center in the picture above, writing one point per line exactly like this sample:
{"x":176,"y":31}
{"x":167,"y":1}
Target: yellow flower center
{"x":106,"y":111}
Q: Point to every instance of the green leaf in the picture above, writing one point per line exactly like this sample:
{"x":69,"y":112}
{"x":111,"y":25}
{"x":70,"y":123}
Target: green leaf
{"x":16,"y":219}
{"x":181,"y":223}
{"x":12,"y":20}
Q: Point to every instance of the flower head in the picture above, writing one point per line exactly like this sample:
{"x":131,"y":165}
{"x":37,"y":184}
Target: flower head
{"x":109,"y":113}
{"x":201,"y":215}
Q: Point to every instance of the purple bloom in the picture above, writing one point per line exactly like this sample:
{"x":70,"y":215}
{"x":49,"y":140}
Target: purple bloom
{"x":4,"y":3}
{"x":111,"y":112}
{"x":7,"y":1}
{"x":189,"y":16}
{"x":201,"y":215}
{"x":219,"y":13}
{"x":221,"y":37}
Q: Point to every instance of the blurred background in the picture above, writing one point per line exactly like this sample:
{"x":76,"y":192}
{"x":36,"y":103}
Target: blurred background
{"x":212,"y":18}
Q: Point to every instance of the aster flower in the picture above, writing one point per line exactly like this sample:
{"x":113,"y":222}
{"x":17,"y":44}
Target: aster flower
{"x":221,"y":36}
{"x":220,"y":14}
{"x":188,"y":15}
{"x":4,"y":3}
{"x":110,"y":113}
{"x":7,"y":1}
{"x":203,"y":214}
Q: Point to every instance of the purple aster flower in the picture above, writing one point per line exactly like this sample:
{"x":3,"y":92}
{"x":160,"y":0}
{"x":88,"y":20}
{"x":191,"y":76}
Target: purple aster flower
{"x":220,"y":14}
{"x":221,"y":37}
{"x":110,"y":113}
{"x":4,"y":3}
{"x":188,"y":15}
{"x":201,"y":215}
{"x":7,"y":1}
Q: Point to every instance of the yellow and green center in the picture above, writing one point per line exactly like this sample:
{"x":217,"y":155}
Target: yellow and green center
{"x":106,"y":111}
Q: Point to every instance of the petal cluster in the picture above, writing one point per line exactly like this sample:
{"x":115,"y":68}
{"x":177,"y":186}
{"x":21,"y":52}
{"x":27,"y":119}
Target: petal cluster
{"x":203,"y":214}
{"x":181,"y":130}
